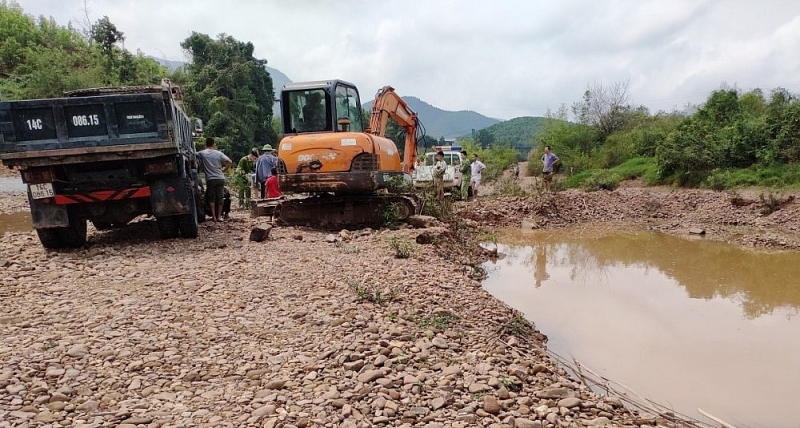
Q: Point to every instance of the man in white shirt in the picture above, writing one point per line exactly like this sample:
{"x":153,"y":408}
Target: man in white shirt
{"x":439,"y":169}
{"x":477,"y":170}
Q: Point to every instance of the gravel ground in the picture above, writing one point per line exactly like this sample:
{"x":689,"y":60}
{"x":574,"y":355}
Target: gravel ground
{"x":8,"y":172}
{"x":295,"y":331}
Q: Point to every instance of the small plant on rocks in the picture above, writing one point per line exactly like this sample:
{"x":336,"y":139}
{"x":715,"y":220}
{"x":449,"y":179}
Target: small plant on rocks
{"x":393,"y":215}
{"x":375,"y":293}
{"x":771,"y":202}
{"x":403,"y":248}
{"x":439,"y":321}
{"x":519,"y":326}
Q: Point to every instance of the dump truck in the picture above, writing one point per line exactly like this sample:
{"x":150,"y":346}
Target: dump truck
{"x":105,"y":155}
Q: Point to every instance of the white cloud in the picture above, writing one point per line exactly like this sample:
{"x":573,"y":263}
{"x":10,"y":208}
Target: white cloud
{"x":503,"y":59}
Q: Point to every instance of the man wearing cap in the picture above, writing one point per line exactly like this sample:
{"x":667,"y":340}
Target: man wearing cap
{"x":264,"y":166}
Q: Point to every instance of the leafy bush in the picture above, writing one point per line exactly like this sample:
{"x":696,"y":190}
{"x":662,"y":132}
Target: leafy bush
{"x":601,"y":180}
{"x":403,"y":248}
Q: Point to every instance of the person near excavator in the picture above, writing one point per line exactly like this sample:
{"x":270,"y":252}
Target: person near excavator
{"x":477,"y":173}
{"x":466,"y":175}
{"x":244,"y":176}
{"x":264,"y":166}
{"x":438,"y":175}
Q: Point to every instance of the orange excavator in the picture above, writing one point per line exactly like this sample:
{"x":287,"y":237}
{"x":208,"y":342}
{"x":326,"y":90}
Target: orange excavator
{"x":344,"y":167}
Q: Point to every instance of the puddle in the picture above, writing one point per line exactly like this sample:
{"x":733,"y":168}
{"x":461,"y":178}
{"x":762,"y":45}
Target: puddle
{"x":12,"y":184}
{"x":687,"y":323}
{"x":15,"y":222}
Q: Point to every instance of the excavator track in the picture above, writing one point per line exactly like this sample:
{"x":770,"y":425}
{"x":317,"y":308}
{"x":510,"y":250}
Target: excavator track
{"x":347,"y":211}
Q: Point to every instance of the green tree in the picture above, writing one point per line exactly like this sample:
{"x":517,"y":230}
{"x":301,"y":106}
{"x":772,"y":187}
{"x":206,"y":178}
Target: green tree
{"x":231,"y":91}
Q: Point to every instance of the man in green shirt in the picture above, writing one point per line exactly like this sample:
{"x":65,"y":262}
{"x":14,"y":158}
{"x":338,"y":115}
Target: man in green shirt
{"x":244,"y":176}
{"x":466,"y":175}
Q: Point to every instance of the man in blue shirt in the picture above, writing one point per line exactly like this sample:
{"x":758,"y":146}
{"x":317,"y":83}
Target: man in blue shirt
{"x":264,"y":166}
{"x":548,"y":160}
{"x":215,"y":164}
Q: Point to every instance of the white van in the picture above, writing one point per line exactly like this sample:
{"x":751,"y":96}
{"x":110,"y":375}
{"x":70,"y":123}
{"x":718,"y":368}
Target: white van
{"x":423,"y":174}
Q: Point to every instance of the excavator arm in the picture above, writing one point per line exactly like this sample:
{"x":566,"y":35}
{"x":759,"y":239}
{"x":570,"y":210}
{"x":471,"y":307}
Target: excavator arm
{"x":387,"y":105}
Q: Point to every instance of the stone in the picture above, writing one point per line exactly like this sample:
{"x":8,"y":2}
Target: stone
{"x":554,"y":393}
{"x":569,"y":402}
{"x":422,"y":221}
{"x":77,"y":351}
{"x":697,"y":231}
{"x":330,"y":238}
{"x":526,"y":423}
{"x":439,"y":342}
{"x":46,"y":416}
{"x":370,"y":376}
{"x":88,"y":406}
{"x":260,"y":233}
{"x":478,"y":387}
{"x":437,"y":403}
{"x":275,"y":384}
{"x":599,"y":422}
{"x":539,"y":368}
{"x":297,"y":237}
{"x":491,"y":405}
{"x":54,"y":372}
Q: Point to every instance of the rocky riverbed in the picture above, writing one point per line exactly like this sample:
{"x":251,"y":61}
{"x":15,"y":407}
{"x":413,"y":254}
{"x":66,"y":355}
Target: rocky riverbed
{"x":311,"y":329}
{"x":295,"y":331}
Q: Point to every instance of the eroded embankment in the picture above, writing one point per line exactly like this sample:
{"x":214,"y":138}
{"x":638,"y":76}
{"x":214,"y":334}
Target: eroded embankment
{"x":750,"y":218}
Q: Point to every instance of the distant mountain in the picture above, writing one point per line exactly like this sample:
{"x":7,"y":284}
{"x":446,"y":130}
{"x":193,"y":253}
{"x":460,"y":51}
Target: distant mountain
{"x":442,"y":123}
{"x":519,"y":133}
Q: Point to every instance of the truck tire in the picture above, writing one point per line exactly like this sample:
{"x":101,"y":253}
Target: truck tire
{"x":187,"y":223}
{"x":74,"y":235}
{"x":167,"y":227}
{"x":50,"y":238}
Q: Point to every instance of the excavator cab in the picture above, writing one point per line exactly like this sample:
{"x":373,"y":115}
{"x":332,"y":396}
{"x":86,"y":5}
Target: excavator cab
{"x":322,"y":106}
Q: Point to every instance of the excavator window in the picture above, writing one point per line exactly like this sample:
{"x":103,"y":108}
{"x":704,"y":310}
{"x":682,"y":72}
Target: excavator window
{"x":349,"y":106}
{"x":309,"y":111}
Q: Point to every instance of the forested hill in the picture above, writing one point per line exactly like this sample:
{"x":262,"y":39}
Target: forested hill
{"x":517,"y":130}
{"x":441,"y":123}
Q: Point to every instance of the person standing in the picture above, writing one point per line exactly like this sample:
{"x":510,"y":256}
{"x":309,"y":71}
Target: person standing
{"x":516,"y":170}
{"x":215,"y":164}
{"x":548,"y":160}
{"x":466,"y":175}
{"x":477,"y":173}
{"x":264,"y":165}
{"x":439,"y":168}
{"x":244,"y":176}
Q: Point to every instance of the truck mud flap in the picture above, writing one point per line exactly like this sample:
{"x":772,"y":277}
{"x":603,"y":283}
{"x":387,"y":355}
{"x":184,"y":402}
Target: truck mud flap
{"x":170,"y":197}
{"x":46,"y":213}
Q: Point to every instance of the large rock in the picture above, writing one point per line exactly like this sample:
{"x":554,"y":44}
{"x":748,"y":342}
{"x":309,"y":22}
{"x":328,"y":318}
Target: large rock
{"x":260,"y":233}
{"x":433,"y":235}
{"x":422,"y":221}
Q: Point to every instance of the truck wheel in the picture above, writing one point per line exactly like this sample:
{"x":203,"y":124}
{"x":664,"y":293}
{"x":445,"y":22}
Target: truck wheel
{"x":167,"y":227}
{"x":187,"y":223}
{"x":50,"y":238}
{"x":74,"y":235}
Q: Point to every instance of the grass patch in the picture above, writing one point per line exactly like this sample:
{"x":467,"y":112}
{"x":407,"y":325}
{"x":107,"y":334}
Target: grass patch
{"x":776,"y":176}
{"x":439,"y":321}
{"x":403,"y":248}
{"x":374,"y":293}
{"x":596,"y":179}
{"x":519,"y":326}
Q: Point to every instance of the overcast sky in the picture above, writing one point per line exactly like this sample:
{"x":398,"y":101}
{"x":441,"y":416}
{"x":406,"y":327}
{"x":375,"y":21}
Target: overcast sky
{"x":500,"y":58}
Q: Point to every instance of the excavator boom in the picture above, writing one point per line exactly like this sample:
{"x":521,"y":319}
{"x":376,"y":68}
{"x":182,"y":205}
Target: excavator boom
{"x":387,"y":105}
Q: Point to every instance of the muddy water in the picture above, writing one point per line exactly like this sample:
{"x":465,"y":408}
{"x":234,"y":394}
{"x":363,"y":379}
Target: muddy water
{"x":687,"y":323}
{"x":12,"y":184}
{"x":15,"y":222}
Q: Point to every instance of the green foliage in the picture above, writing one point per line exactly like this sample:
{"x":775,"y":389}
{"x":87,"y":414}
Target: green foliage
{"x":403,"y":248}
{"x":393,"y":215}
{"x":40,"y":59}
{"x":776,"y":175}
{"x":440,"y":321}
{"x":375,"y":293}
{"x":595,"y":179}
{"x":600,"y":180}
{"x":231,"y":91}
{"x":497,"y":158}
{"x":432,"y":206}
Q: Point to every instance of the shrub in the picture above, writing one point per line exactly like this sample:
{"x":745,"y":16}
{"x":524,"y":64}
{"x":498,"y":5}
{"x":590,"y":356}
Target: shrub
{"x":403,"y":248}
{"x":601,"y":180}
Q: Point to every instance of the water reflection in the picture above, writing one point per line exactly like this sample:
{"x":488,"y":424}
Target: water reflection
{"x":687,"y":323}
{"x":759,"y":282}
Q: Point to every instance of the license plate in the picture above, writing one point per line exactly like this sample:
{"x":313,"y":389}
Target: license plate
{"x":42,"y":190}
